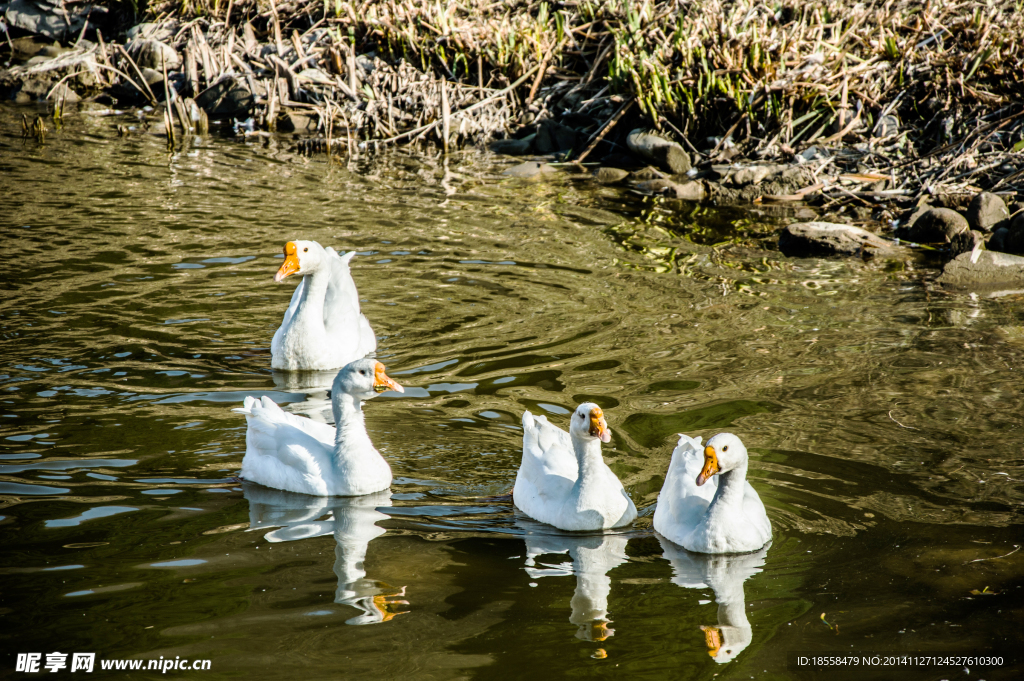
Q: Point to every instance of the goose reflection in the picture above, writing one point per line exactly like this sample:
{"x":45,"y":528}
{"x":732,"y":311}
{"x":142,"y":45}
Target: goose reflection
{"x":724,"y":574}
{"x":593,"y":556}
{"x":352,"y":521}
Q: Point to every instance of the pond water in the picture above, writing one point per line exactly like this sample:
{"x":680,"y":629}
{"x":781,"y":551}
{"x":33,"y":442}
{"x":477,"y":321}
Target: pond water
{"x":882,"y":413}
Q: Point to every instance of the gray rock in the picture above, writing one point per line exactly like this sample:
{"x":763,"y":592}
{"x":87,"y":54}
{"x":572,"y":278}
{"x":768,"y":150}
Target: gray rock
{"x":983,"y":268}
{"x":986,"y":211}
{"x":966,"y":242}
{"x":297,"y":122}
{"x":997,"y":242}
{"x":315,"y":76}
{"x":228,"y":97}
{"x":163,"y":31}
{"x":49,"y":18}
{"x":935,"y":225}
{"x":563,"y":136}
{"x":1009,"y":238}
{"x":513,"y":147}
{"x":154,"y":54}
{"x":667,"y":155}
{"x":645,"y":174}
{"x":688,"y":191}
{"x":656,"y":185}
{"x":887,"y":125}
{"x":152,"y":76}
{"x":610,"y":175}
{"x":741,"y":177}
{"x":827,"y":238}
{"x":530,"y":169}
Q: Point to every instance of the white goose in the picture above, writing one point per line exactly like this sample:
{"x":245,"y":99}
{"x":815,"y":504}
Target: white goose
{"x":726,"y":516}
{"x":323,"y":327}
{"x":289,"y":452}
{"x":563,"y":481}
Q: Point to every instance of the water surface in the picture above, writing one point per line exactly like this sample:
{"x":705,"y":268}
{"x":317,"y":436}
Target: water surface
{"x":882,"y":414}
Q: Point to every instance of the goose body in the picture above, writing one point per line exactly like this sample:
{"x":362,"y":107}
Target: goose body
{"x":323,"y":328}
{"x":563,"y":481}
{"x":724,"y":516}
{"x":297,"y":454}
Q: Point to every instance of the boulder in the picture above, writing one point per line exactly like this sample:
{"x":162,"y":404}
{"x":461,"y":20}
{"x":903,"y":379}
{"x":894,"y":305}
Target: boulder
{"x":1009,"y":238}
{"x":687,"y":191}
{"x":966,"y":242}
{"x":51,"y":18}
{"x":934,"y":225}
{"x":827,"y":238}
{"x":983,"y":268}
{"x":153,"y":54}
{"x":667,"y":155}
{"x":297,"y":122}
{"x":986,"y":212}
{"x":645,"y":174}
{"x":228,"y":97}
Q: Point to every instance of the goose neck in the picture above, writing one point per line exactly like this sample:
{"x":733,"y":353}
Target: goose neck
{"x":350,"y":427}
{"x":730,"y":488}
{"x":311,"y":304}
{"x":588,"y":455}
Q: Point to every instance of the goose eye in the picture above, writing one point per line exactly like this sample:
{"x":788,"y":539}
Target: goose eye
{"x":362,"y":371}
{"x":725,"y":448}
{"x":306,"y":249}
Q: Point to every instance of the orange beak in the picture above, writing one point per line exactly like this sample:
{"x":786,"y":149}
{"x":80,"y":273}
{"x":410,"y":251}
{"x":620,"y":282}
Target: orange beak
{"x":710,"y":465}
{"x":598,"y":426}
{"x":712,"y":639}
{"x":382,"y":382}
{"x":291,"y":262}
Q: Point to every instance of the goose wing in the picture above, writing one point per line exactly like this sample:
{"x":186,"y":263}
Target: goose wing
{"x":548,"y":469}
{"x":342,"y":318}
{"x":681,"y":503}
{"x":285,"y":451}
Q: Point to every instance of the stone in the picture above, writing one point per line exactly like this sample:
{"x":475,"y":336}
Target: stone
{"x":827,"y":238}
{"x":68,"y":95}
{"x":986,"y":212}
{"x":51,"y":18}
{"x":513,"y":147}
{"x":966,"y":242}
{"x":1009,"y":238}
{"x":621,"y":160}
{"x":563,"y":137}
{"x":748,"y":175}
{"x":997,"y":242}
{"x":668,"y":156}
{"x":983,"y":268}
{"x":886,"y":126}
{"x":162,"y":31}
{"x":656,"y":185}
{"x":610,"y":175}
{"x":542,"y":143}
{"x":297,"y":122}
{"x":315,"y":76}
{"x":154,"y":54}
{"x":934,"y":225}
{"x":529,"y":169}
{"x":687,"y":191}
{"x":228,"y":97}
{"x":645,"y":174}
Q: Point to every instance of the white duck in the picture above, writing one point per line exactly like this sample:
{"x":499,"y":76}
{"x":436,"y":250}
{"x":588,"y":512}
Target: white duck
{"x":725,"y":575}
{"x":563,"y":481}
{"x":323,"y":327}
{"x":289,"y":452}
{"x":727,"y":516}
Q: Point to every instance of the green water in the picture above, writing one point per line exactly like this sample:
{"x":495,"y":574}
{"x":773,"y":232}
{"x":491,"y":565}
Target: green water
{"x":882,"y":413}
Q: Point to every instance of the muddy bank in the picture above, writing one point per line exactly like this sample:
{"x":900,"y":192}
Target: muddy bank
{"x":726,"y":104}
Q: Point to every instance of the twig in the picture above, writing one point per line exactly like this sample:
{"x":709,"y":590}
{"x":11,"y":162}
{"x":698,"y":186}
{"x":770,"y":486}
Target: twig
{"x":979,"y":560}
{"x":900,"y":424}
{"x":605,"y":129}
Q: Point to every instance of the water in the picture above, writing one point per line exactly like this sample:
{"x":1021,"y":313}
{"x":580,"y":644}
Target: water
{"x":882,"y":414}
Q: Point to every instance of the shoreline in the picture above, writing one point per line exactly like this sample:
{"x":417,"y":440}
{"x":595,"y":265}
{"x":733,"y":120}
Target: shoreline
{"x":724,"y":103}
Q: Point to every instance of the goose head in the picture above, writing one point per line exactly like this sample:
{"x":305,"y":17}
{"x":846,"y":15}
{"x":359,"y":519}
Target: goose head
{"x":587,"y":423}
{"x":304,"y":257}
{"x":723,"y":453}
{"x":364,"y":379}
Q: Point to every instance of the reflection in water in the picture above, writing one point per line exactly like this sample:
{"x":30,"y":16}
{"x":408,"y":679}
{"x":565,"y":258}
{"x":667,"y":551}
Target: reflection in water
{"x":352,"y":521}
{"x":593,"y":556}
{"x":316,"y":385}
{"x":725,"y":574}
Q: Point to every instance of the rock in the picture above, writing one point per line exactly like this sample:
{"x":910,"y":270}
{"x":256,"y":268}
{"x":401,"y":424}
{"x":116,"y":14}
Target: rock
{"x":997,"y":242}
{"x":154,"y":54}
{"x":542,"y":143}
{"x":530,"y":169}
{"x":297,"y":122}
{"x":965,"y":242}
{"x":668,"y":156}
{"x":934,"y":225}
{"x":887,"y":125}
{"x":315,"y":76}
{"x":688,"y":191}
{"x":645,"y":174}
{"x":62,"y":91}
{"x":563,"y":136}
{"x":610,"y":175}
{"x":513,"y":147}
{"x":826,"y":238}
{"x":983,"y":268}
{"x":228,"y":97}
{"x":1009,"y":238}
{"x":163,"y":31}
{"x":986,"y":211}
{"x":152,"y":76}
{"x":747,"y":175}
{"x":50,"y":18}
{"x":620,"y":160}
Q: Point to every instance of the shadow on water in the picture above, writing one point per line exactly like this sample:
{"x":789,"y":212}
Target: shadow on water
{"x":881,"y":413}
